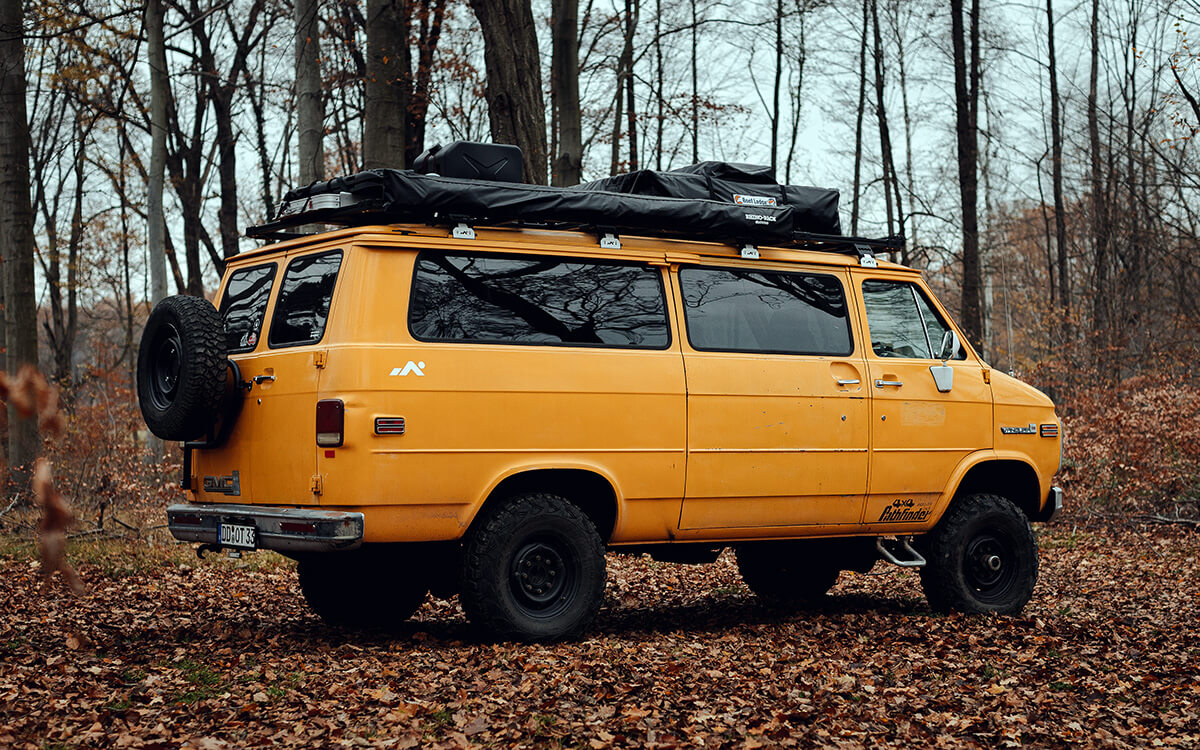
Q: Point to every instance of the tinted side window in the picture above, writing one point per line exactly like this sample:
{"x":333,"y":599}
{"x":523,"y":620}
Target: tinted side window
{"x":304,"y":297}
{"x":244,"y":305}
{"x":749,"y":311}
{"x":494,"y":299}
{"x":901,"y":320}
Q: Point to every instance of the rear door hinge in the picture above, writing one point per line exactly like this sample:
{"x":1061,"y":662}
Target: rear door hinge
{"x":317,"y":484}
{"x":319,"y":360}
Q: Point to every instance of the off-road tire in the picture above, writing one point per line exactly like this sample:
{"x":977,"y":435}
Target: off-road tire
{"x":533,"y":569}
{"x":344,"y":589}
{"x":982,"y":557}
{"x":182,"y":368}
{"x":787,"y":575}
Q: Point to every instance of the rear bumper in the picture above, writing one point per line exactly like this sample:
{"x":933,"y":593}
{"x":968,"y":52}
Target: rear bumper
{"x":282,"y":529}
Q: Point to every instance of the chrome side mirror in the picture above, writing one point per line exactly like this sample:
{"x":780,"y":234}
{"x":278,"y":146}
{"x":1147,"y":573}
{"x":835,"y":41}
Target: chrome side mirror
{"x":949,"y":347}
{"x":943,"y":374}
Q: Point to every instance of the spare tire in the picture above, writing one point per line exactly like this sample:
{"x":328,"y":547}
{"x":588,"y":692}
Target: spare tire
{"x":182,"y":368}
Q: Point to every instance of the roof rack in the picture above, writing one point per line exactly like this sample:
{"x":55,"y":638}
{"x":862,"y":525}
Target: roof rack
{"x":390,"y":196}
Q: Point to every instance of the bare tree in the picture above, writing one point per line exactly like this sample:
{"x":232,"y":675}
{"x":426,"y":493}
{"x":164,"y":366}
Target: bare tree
{"x":966,"y":105}
{"x":514,"y":80}
{"x":1056,"y":148}
{"x":564,"y":88}
{"x":310,"y":107}
{"x":16,"y":232}
{"x":388,"y":85}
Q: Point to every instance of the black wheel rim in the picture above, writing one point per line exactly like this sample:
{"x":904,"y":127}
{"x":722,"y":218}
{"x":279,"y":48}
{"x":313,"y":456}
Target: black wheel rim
{"x":544,"y":577}
{"x":166,"y":365}
{"x":990,"y":567}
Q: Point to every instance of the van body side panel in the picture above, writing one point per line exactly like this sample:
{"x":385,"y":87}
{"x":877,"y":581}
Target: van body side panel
{"x":475,"y":413}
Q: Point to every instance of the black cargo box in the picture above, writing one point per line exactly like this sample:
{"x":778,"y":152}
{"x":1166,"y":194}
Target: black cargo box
{"x":495,"y":162}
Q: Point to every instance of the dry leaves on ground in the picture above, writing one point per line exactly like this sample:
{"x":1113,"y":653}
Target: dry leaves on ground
{"x":224,"y":654}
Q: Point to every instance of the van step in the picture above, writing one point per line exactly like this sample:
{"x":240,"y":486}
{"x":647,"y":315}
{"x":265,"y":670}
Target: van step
{"x":901,"y":552}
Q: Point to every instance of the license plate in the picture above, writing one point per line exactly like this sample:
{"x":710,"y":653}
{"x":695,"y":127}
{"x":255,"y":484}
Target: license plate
{"x":238,"y":536}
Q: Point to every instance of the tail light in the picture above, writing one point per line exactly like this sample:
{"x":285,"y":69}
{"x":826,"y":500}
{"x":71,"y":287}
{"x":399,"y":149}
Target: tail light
{"x":331,"y":422}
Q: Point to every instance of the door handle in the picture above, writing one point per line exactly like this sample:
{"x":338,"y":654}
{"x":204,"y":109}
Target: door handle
{"x":849,"y":381}
{"x":260,"y":379}
{"x":886,"y":383}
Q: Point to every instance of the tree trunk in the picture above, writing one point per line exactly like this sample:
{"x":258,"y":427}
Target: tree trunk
{"x":564,"y":72}
{"x":16,"y":233}
{"x":891,"y":185}
{"x":660,"y":117}
{"x":798,"y":91}
{"x":1100,"y":221}
{"x":1060,"y":212}
{"x":632,"y":11}
{"x":429,"y":33}
{"x":514,"y":80}
{"x":388,"y":84}
{"x":778,"y":85}
{"x":911,"y":231}
{"x":695,"y":87}
{"x":966,"y":96}
{"x":156,"y":246}
{"x":858,"y":122}
{"x":310,"y":108}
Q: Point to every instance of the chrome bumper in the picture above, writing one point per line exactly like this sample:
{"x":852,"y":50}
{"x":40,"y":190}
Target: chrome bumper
{"x":1053,"y":506}
{"x":282,"y":529}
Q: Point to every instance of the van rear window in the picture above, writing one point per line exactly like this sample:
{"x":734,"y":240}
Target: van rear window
{"x":304,"y":298}
{"x":537,"y":300}
{"x":736,"y":310}
{"x":244,"y":305}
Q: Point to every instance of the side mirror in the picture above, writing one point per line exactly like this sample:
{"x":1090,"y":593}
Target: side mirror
{"x":949,"y":347}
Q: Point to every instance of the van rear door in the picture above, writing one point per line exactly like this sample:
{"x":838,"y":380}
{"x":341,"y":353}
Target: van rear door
{"x":285,"y":377}
{"x":220,"y":472}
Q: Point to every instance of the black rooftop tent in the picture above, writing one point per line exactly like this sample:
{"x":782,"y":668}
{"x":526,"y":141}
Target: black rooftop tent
{"x":712,"y":201}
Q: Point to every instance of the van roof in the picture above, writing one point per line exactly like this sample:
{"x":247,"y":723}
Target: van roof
{"x":559,"y":241}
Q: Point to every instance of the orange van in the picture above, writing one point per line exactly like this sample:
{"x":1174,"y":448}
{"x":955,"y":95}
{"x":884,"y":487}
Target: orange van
{"x":485,"y":411}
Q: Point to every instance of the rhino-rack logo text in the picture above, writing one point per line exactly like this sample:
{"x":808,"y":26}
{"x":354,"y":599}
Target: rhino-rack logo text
{"x":902,"y":511}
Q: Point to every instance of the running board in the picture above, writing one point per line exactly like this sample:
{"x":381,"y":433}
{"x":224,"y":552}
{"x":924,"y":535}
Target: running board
{"x":915,"y":560}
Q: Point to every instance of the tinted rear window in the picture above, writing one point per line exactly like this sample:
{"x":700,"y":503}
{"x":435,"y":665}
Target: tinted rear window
{"x":531,"y":300}
{"x":244,"y":305}
{"x":736,"y":310}
{"x":304,"y":298}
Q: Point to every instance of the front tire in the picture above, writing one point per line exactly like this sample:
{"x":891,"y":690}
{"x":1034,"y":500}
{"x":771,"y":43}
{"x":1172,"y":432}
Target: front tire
{"x":533,"y":570}
{"x":982,"y":557}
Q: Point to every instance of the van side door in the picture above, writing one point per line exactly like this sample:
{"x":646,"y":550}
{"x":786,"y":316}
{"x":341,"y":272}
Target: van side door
{"x":919,"y":434}
{"x":777,"y":409}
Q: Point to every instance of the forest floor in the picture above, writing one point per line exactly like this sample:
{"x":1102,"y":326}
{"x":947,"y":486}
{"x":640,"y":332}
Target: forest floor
{"x":168,"y":651}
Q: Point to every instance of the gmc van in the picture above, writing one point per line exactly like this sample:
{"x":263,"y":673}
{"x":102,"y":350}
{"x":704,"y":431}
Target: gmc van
{"x":409,"y":407}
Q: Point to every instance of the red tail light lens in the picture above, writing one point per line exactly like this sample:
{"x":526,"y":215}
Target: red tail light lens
{"x":331,"y":422}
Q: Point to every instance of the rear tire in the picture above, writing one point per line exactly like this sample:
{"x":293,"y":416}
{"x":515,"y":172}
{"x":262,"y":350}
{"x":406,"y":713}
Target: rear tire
{"x":533,"y":570}
{"x":788,"y":575}
{"x":344,"y":588}
{"x":982,"y":557}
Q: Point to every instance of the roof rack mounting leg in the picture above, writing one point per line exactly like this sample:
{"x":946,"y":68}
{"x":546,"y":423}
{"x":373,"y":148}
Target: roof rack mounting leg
{"x":750,"y":252}
{"x":610,"y":241}
{"x":866,"y":256}
{"x":462,"y":232}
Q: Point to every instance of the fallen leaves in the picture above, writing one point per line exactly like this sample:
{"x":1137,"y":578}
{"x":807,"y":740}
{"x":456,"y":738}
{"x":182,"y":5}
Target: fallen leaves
{"x":1106,"y":655}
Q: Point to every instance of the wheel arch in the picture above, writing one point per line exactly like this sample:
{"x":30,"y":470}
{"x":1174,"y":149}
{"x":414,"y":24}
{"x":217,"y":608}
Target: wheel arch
{"x":1011,"y":476}
{"x":592,"y":490}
